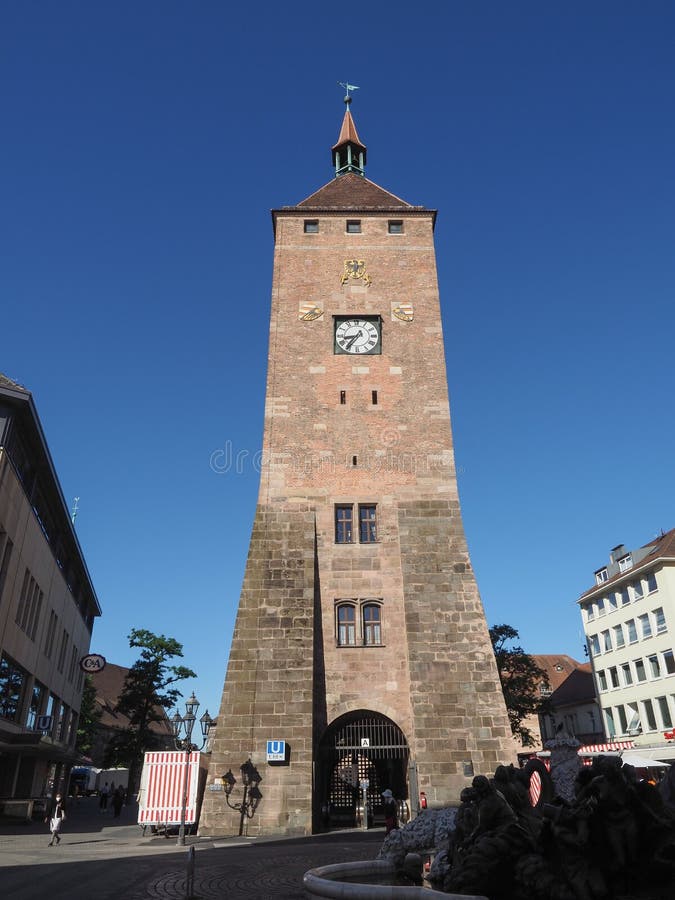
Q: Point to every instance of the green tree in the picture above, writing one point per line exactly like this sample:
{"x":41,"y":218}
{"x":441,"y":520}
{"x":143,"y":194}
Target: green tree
{"x":149,"y":688}
{"x":522,"y":680}
{"x":88,"y":720}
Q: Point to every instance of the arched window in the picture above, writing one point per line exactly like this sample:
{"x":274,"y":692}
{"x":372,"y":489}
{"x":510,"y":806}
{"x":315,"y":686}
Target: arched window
{"x":372,"y":624}
{"x":346,"y":625}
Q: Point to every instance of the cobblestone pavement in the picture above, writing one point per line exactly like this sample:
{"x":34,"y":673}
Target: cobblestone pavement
{"x":101,"y":858}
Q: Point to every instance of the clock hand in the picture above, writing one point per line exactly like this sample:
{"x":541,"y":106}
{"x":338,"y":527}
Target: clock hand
{"x":349,"y":343}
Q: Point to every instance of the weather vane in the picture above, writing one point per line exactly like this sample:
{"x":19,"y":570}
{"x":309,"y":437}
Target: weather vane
{"x":348,"y":87}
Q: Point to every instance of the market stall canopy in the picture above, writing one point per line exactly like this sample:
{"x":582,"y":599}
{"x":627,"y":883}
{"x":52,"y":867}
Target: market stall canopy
{"x":642,"y":762}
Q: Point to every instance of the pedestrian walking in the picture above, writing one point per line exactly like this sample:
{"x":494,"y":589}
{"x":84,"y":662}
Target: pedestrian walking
{"x":390,"y":811}
{"x":103,"y":799}
{"x":55,"y":816}
{"x":118,"y":802}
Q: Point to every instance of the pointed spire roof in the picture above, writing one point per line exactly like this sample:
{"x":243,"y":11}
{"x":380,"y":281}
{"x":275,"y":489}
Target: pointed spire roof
{"x":348,"y":133}
{"x":350,"y":190}
{"x":349,"y":154}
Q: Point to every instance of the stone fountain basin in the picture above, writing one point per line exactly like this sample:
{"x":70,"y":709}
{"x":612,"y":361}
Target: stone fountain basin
{"x":373,"y":879}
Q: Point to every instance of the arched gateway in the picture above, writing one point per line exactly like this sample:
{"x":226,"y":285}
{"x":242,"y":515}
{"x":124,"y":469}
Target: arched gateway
{"x":361,"y":746}
{"x":359,"y":593}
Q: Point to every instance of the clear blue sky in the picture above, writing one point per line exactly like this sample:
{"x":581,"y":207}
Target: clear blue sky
{"x":143,"y":145}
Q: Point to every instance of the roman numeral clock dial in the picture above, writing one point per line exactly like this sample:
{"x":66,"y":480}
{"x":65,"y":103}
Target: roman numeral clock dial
{"x":357,"y":335}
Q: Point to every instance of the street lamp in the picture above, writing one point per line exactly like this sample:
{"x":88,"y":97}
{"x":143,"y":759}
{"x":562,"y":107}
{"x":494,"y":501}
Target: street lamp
{"x":250,"y":778}
{"x":182,"y":737}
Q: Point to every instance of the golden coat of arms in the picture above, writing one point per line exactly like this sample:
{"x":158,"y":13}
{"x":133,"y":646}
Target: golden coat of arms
{"x":309,"y":311}
{"x":403,"y":311}
{"x":355,"y":268}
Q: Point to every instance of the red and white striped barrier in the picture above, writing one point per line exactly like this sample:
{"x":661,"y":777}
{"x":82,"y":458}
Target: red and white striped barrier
{"x":160,"y":798}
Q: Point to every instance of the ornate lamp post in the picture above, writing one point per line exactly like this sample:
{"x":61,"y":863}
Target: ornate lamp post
{"x":182,"y":737}
{"x":250,"y":778}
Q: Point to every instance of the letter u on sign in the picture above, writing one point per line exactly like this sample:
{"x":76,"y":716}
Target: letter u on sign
{"x":276,"y":751}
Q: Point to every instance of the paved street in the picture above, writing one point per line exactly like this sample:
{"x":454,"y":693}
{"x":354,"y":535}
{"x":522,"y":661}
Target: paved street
{"x":101,"y":858}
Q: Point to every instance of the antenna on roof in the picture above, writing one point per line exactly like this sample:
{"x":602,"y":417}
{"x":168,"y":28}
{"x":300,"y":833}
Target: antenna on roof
{"x":73,"y":512}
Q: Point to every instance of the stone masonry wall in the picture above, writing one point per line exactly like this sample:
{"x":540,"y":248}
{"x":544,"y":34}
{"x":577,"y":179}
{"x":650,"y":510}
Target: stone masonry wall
{"x":268,"y":689}
{"x":459,"y":715}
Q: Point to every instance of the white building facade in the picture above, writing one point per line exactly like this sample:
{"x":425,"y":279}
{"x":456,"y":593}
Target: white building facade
{"x":629,"y":623}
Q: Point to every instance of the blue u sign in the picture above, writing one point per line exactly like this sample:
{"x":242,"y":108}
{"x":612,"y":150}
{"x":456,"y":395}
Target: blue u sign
{"x":276,"y":751}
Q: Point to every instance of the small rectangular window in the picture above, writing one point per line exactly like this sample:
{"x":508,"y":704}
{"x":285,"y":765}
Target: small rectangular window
{"x":311,"y":226}
{"x":669,"y":662}
{"x":346,"y":625}
{"x":601,"y":606}
{"x":654,"y":667}
{"x":651,"y":718}
{"x":367,"y":524}
{"x":602,"y":680}
{"x":632,"y":631}
{"x":660,"y":620}
{"x":645,"y":625}
{"x":634,"y":724}
{"x":344,"y":516}
{"x":353,"y":226}
{"x":395,"y":226}
{"x":651,"y":583}
{"x":611,"y":601}
{"x":665,"y":712}
{"x":625,"y":599}
{"x":343,"y":397}
{"x":640,"y":670}
{"x":611,"y":727}
{"x":372,"y":626}
{"x":606,"y":641}
{"x":374,"y":397}
{"x":638,"y":591}
{"x":5,"y":553}
{"x":627,"y":675}
{"x":625,"y":563}
{"x":618,"y":636}
{"x":614,"y":677}
{"x":594,"y":642}
{"x":601,"y":576}
{"x":623,"y":721}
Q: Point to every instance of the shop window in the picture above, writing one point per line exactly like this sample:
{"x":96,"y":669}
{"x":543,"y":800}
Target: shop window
{"x":12,"y":685}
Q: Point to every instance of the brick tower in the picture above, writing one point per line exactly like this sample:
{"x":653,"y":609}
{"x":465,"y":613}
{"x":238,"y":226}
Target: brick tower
{"x":360,"y":640}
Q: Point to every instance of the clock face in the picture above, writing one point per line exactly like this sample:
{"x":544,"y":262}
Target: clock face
{"x":357,"y":336}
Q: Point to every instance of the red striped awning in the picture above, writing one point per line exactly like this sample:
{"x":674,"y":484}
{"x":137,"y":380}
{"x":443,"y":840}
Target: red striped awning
{"x":588,"y":749}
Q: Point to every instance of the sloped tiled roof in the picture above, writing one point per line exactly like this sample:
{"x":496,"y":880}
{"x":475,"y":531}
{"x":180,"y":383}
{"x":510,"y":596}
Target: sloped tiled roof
{"x":353,"y":191}
{"x":109,"y":683}
{"x":578,"y":687}
{"x":662,"y":548}
{"x":6,"y":382}
{"x":558,"y":667}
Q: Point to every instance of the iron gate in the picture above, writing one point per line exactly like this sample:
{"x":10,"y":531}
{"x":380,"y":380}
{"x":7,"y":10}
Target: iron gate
{"x":361,"y":746}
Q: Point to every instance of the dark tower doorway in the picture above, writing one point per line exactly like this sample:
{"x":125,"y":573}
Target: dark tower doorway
{"x":361,"y":746}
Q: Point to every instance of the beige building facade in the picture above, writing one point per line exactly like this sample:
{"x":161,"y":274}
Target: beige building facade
{"x":360,"y":647}
{"x":629,"y":621}
{"x":47,"y":609}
